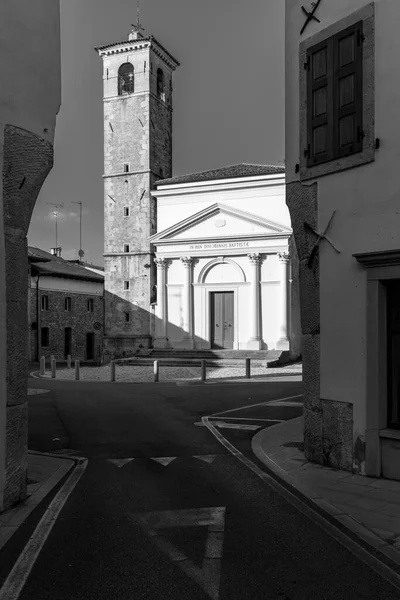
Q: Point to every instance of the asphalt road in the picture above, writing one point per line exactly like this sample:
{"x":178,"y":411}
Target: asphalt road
{"x":165,"y":511}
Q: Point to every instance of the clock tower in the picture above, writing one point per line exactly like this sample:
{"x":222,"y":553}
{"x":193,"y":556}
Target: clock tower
{"x":137,"y":77}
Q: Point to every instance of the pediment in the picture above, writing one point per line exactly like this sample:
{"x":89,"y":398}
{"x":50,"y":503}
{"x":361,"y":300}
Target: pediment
{"x":219,"y":221}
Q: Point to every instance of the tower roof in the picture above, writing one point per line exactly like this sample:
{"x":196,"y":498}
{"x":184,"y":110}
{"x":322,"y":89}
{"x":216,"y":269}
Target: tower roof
{"x":134,"y":44}
{"x":230,"y":172}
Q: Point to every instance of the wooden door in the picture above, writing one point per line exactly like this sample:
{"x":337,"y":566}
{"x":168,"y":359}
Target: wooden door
{"x":222,"y":324}
{"x":89,"y":346}
{"x":67,"y":341}
{"x":393,"y":353}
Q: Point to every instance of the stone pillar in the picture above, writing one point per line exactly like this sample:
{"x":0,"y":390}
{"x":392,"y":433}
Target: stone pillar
{"x":254,"y":341}
{"x":283,"y":341}
{"x":188,"y":341}
{"x":161,"y":326}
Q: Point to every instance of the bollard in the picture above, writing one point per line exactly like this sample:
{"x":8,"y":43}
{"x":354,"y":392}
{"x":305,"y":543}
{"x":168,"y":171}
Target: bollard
{"x":113,"y":370}
{"x":42,"y":365}
{"x":248,"y":368}
{"x":52,"y":357}
{"x":156,"y":370}
{"x":77,"y":370}
{"x":203,"y":370}
{"x":68,"y":361}
{"x":53,"y":368}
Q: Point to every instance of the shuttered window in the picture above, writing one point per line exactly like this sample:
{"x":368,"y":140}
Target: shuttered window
{"x":334,"y":96}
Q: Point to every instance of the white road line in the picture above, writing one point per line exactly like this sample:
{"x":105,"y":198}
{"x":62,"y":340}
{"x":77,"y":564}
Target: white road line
{"x":254,"y":405}
{"x":352,"y":546}
{"x":120,"y":462}
{"x":164,"y":460}
{"x":250,"y":419}
{"x":16,"y":580}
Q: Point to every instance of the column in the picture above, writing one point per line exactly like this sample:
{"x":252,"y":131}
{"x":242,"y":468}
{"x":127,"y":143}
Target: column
{"x":161,"y":326}
{"x":284,"y":262}
{"x":188,"y":341}
{"x":254,"y":341}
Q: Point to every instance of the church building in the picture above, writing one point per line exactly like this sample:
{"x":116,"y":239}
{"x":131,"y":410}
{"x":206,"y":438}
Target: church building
{"x":194,"y":262}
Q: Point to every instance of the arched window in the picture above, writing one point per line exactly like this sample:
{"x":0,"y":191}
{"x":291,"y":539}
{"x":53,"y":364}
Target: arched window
{"x":126,"y":79}
{"x":160,"y":84}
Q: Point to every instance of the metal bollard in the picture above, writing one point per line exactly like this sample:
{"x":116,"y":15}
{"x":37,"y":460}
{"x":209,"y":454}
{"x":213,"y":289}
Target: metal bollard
{"x":42,"y":365}
{"x":77,"y":370}
{"x":113,"y":370}
{"x":53,"y":368}
{"x":68,"y":361}
{"x":203,"y":370}
{"x":248,"y":368}
{"x":156,"y":371}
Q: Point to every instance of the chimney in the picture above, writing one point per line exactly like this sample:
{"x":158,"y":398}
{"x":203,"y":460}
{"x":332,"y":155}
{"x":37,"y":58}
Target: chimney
{"x":56,"y":251}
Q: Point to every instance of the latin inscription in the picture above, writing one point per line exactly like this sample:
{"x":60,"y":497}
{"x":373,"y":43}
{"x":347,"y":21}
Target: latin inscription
{"x":220,"y":245}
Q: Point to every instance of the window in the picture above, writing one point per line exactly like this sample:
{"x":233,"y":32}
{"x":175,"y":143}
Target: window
{"x":45,"y":302}
{"x":45,"y":337}
{"x":68,"y":303}
{"x":334,"y":96}
{"x":127,"y":317}
{"x":126,"y":247}
{"x":160,"y":84}
{"x":126,"y":168}
{"x":126,"y":285}
{"x":126,"y":79}
{"x":90,"y":304}
{"x":126,"y":211}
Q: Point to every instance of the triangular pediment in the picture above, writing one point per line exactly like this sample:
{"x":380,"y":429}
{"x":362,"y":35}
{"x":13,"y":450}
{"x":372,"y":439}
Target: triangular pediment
{"x":219,"y":221}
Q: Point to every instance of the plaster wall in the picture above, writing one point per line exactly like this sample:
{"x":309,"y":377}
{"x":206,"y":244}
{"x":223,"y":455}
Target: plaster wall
{"x":367,"y":216}
{"x":27,"y":124}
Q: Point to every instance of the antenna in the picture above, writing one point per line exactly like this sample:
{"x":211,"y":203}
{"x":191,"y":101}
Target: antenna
{"x":55,"y":213}
{"x":81,"y":252}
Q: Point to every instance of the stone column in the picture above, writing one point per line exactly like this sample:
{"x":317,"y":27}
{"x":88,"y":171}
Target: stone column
{"x":161,"y":328}
{"x":188,"y":341}
{"x":254,"y":341}
{"x":283,"y":341}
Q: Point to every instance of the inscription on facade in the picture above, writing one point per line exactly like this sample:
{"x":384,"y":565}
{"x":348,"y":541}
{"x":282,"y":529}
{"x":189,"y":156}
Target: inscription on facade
{"x":219,"y":245}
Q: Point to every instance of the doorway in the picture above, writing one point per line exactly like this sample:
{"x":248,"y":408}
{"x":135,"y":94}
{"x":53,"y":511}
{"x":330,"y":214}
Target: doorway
{"x":89,"y":346}
{"x":67,"y":341}
{"x":222,"y":324}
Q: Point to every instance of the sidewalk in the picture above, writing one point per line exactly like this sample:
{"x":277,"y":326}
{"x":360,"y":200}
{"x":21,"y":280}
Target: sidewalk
{"x":44,"y":473}
{"x":369,"y":507}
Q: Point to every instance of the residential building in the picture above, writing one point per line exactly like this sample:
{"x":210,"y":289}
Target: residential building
{"x":343,"y":185}
{"x":66,"y":308}
{"x":224,"y":257}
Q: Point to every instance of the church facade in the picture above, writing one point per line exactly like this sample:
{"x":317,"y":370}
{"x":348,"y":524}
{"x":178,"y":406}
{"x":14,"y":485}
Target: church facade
{"x":226,"y":278}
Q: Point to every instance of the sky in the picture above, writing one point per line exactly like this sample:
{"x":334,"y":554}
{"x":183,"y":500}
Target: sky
{"x":228,"y":100}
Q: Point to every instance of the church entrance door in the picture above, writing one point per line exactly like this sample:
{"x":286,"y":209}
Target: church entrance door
{"x":222,"y":320}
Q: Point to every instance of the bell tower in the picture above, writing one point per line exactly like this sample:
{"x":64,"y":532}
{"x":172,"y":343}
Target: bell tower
{"x":137,"y":77}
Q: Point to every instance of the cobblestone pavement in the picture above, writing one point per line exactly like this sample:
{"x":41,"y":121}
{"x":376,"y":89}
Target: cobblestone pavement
{"x":145,"y":373}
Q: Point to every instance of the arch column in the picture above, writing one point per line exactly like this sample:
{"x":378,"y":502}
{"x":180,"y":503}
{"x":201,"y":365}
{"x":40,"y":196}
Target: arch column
{"x":283,"y":341}
{"x":161,"y":325}
{"x":188,"y":341}
{"x":254,"y":341}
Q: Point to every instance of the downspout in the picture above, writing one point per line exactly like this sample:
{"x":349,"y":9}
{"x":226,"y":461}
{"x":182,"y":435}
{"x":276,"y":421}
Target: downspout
{"x":37,"y":319}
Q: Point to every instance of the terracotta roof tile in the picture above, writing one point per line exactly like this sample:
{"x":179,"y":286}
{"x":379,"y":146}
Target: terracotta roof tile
{"x":56,"y":266}
{"x":232,"y":171}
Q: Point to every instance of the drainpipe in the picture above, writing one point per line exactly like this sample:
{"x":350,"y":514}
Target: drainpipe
{"x":37,"y":319}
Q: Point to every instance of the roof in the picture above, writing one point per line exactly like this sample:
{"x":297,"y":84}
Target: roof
{"x":55,"y":266}
{"x":149,"y":38}
{"x":230,"y":172}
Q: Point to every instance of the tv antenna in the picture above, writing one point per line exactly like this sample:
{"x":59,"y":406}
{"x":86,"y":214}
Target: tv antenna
{"x":55,"y":214}
{"x":80,"y":252}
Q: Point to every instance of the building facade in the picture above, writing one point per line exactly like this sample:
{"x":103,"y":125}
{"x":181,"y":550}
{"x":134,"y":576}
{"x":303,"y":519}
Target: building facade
{"x":226,"y":262}
{"x":342,"y":152}
{"x":137,"y":77}
{"x":65,"y":308}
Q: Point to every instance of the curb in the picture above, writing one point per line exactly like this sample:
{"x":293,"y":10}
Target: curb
{"x":349,"y":522}
{"x":19,"y":513}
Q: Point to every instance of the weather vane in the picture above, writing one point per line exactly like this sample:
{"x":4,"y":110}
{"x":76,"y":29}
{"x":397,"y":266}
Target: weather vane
{"x":137,"y":27}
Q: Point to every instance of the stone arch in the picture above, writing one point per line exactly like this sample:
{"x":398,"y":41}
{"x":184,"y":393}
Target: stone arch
{"x":126,"y":79}
{"x":217,"y":261}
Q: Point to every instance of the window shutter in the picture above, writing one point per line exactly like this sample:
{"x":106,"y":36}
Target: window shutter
{"x":347,"y":91}
{"x":319,"y":103}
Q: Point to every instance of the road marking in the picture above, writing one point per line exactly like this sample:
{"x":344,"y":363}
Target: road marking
{"x":223,"y":425}
{"x":16,"y":580}
{"x":250,"y":419}
{"x":282,"y":403}
{"x":225,"y":412}
{"x":207,"y":458}
{"x":120,"y":462}
{"x":165,"y":460}
{"x":209,"y":574}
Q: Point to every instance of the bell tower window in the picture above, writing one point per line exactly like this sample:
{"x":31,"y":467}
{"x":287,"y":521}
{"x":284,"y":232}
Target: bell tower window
{"x":160,"y":84}
{"x":126,"y":79}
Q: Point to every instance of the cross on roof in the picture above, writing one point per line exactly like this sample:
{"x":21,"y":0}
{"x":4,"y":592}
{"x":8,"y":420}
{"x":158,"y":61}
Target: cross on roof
{"x":137,"y":26}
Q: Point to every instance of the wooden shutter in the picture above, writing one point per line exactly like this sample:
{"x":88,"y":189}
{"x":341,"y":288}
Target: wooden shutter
{"x":319,"y":102}
{"x":347,"y":91}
